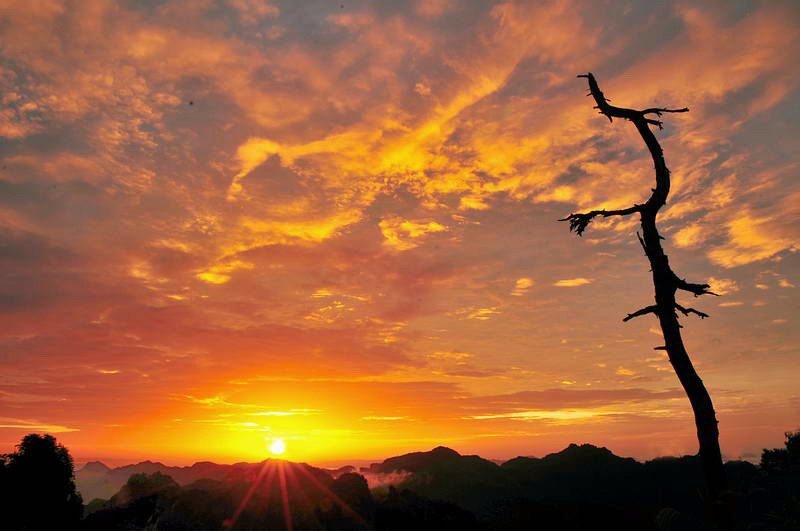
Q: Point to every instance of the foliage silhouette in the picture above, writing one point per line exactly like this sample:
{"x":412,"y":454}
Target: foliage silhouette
{"x":402,"y":510}
{"x":781,"y":467}
{"x":666,"y":284}
{"x":37,"y":488}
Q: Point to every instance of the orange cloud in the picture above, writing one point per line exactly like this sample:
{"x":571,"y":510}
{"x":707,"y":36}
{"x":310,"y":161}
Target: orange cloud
{"x":401,"y":234}
{"x":521,"y":286}
{"x":751,"y":239}
{"x":572,"y":282}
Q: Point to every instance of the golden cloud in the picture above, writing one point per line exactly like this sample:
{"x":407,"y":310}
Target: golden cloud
{"x":402,"y":235}
{"x":752,"y":239}
{"x":722,"y":286}
{"x":689,"y":236}
{"x":572,"y":282}
{"x":521,"y":286}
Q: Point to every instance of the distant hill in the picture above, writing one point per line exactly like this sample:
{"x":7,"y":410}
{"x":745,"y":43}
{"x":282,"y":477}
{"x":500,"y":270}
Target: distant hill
{"x":149,"y":497}
{"x":336,"y":472}
{"x":96,"y":480}
{"x":94,"y":468}
{"x":583,"y":472}
{"x":413,"y":462}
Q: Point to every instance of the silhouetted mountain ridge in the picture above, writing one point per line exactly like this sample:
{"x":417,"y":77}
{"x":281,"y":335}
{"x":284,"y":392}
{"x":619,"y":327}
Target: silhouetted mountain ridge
{"x":581,"y":487}
{"x":575,"y":473}
{"x":578,"y":474}
{"x":413,"y":462}
{"x":441,"y":473}
{"x":93,"y":482}
{"x":95,"y":467}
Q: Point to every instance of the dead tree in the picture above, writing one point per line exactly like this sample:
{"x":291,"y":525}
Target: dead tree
{"x":666,"y":284}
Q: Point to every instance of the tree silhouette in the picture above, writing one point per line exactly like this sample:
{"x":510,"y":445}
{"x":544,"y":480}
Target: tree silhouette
{"x":666,"y":284}
{"x":38,"y":487}
{"x":781,"y":476}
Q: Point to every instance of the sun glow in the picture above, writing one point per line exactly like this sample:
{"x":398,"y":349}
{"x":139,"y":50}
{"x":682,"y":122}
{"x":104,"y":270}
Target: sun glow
{"x":277,"y":446}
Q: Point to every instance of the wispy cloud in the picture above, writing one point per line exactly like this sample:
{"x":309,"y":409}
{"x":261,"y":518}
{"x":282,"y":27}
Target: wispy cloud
{"x":521,"y":286}
{"x":34,"y":425}
{"x":572,"y":282}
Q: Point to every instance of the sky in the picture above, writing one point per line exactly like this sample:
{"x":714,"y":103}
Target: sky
{"x":336,"y":223}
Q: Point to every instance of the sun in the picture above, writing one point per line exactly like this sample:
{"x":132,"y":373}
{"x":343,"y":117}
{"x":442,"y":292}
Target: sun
{"x":277,"y":447}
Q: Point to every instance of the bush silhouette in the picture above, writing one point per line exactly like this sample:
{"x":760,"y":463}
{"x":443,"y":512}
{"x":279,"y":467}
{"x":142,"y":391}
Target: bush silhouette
{"x":37,"y":486}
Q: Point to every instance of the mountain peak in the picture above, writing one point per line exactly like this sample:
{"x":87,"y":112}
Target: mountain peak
{"x":444,"y":451}
{"x":586,"y":447}
{"x":414,"y":461}
{"x":585,"y":450}
{"x":95,"y":467}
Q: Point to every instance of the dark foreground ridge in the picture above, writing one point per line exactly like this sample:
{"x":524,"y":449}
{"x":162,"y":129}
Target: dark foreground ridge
{"x":581,"y":487}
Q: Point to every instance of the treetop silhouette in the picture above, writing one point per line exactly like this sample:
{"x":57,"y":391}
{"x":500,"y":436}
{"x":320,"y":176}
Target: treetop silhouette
{"x":666,"y":284}
{"x":37,"y":487}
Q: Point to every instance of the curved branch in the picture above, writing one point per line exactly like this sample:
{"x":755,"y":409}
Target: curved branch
{"x":687,"y":311}
{"x":697,"y":289}
{"x":659,"y":110}
{"x":578,"y":222}
{"x":644,"y":311}
{"x":622,"y":112}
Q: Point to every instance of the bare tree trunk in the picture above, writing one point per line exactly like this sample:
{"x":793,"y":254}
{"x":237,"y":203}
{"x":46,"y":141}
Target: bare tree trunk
{"x":666,"y":284}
